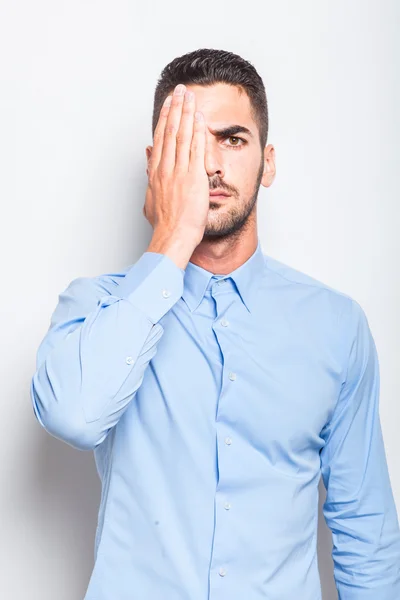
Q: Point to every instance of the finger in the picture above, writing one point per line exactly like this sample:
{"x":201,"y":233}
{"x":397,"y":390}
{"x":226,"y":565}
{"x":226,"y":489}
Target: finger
{"x":185,"y":133}
{"x":167,"y":160}
{"x":159,"y":134}
{"x":198,"y":146}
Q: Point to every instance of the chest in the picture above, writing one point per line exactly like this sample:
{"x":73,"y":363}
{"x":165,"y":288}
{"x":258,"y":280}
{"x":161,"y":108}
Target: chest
{"x":271,"y":379}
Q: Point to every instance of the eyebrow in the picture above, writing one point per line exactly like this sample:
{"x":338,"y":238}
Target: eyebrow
{"x":230,"y":131}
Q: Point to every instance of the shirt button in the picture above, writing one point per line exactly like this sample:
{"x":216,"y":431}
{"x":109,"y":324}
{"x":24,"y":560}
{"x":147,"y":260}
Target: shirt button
{"x":222,"y":572}
{"x":221,"y":281}
{"x":129,"y":360}
{"x":224,"y":323}
{"x":232,"y":376}
{"x":228,"y":441}
{"x":227,"y":506}
{"x":166,"y":293}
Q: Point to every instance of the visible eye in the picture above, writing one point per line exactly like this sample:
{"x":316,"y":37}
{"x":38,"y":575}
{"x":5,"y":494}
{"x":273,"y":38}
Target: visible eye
{"x":235,"y":142}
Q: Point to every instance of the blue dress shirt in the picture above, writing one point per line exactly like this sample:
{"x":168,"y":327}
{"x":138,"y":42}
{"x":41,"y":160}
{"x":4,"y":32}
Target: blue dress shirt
{"x":213,"y":404}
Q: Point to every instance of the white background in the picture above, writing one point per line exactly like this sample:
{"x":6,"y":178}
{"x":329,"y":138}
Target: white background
{"x":77,"y":84}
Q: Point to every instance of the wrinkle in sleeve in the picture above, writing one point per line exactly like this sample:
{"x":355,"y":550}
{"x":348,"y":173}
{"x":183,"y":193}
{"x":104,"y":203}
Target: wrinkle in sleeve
{"x":359,"y":507}
{"x":93,"y":358}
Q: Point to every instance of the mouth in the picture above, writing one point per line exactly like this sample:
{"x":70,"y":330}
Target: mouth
{"x":219,"y":194}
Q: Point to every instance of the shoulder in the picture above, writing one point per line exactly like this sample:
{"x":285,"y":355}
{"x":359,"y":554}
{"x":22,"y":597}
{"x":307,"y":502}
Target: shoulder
{"x":322,"y":311}
{"x":301,"y":289}
{"x":291,"y":277}
{"x":294,"y":276}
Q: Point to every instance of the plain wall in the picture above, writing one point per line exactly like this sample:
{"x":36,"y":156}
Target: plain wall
{"x":77,"y":84}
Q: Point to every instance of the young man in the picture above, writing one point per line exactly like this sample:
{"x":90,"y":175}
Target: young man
{"x":216,"y":384}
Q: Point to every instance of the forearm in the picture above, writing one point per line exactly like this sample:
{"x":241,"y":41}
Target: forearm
{"x":90,"y":366}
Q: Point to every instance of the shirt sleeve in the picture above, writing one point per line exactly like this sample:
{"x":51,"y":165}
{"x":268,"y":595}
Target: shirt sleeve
{"x":93,"y":357}
{"x":360,"y":508}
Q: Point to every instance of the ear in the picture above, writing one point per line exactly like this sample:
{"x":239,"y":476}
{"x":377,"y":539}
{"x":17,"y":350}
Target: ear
{"x":149,"y":150}
{"x":269,"y":166}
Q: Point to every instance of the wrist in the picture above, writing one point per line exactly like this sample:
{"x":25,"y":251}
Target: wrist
{"x":175,"y":246}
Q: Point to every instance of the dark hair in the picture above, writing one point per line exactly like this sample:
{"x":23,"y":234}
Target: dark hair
{"x":208,"y":66}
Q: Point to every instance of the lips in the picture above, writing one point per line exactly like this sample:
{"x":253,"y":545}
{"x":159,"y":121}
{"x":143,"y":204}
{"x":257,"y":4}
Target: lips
{"x":218,"y":193}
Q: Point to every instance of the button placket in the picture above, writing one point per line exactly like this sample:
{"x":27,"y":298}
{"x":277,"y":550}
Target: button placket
{"x":223,"y":299}
{"x":225,"y":323}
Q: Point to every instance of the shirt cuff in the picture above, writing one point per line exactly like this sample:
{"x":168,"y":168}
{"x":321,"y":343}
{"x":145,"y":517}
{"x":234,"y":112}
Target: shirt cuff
{"x":153,"y":285}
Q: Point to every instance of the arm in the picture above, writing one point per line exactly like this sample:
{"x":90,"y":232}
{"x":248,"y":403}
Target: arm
{"x":359,"y":507}
{"x":92,"y":360}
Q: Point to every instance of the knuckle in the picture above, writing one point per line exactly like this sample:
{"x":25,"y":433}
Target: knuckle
{"x":186,"y":110}
{"x":170,"y":130}
{"x":177,"y":99}
{"x":180,"y":170}
{"x":162,"y":172}
{"x":181,"y":137}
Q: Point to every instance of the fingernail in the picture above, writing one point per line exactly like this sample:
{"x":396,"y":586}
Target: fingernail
{"x":179,"y":90}
{"x":167,"y":101}
{"x":198,"y":116}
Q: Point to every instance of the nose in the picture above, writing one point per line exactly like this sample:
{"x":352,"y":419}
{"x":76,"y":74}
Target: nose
{"x":212,"y":161}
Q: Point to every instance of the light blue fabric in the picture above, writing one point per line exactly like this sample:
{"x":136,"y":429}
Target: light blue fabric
{"x":213,"y":405}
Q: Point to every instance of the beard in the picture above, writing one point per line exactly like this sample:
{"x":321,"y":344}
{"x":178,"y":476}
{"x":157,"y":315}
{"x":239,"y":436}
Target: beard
{"x":232,"y":221}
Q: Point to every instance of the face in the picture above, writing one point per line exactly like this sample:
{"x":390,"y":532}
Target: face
{"x":234,"y":160}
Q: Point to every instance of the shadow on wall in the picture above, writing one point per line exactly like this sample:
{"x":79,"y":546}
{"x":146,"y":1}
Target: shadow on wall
{"x":325,"y":562}
{"x":64,"y":496}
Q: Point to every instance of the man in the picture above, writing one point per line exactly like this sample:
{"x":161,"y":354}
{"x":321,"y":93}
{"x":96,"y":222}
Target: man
{"x":216,"y":384}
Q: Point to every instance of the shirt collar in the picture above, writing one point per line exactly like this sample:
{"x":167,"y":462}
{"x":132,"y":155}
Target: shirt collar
{"x":246,"y":277}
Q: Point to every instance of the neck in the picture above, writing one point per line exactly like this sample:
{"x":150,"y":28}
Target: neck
{"x":222,"y":256}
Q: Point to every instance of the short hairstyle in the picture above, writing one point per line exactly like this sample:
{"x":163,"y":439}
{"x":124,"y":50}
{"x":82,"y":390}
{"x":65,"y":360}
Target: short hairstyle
{"x":207,"y":67}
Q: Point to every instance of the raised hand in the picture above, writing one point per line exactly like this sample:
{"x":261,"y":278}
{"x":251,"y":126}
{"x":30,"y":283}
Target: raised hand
{"x":177,"y":196}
